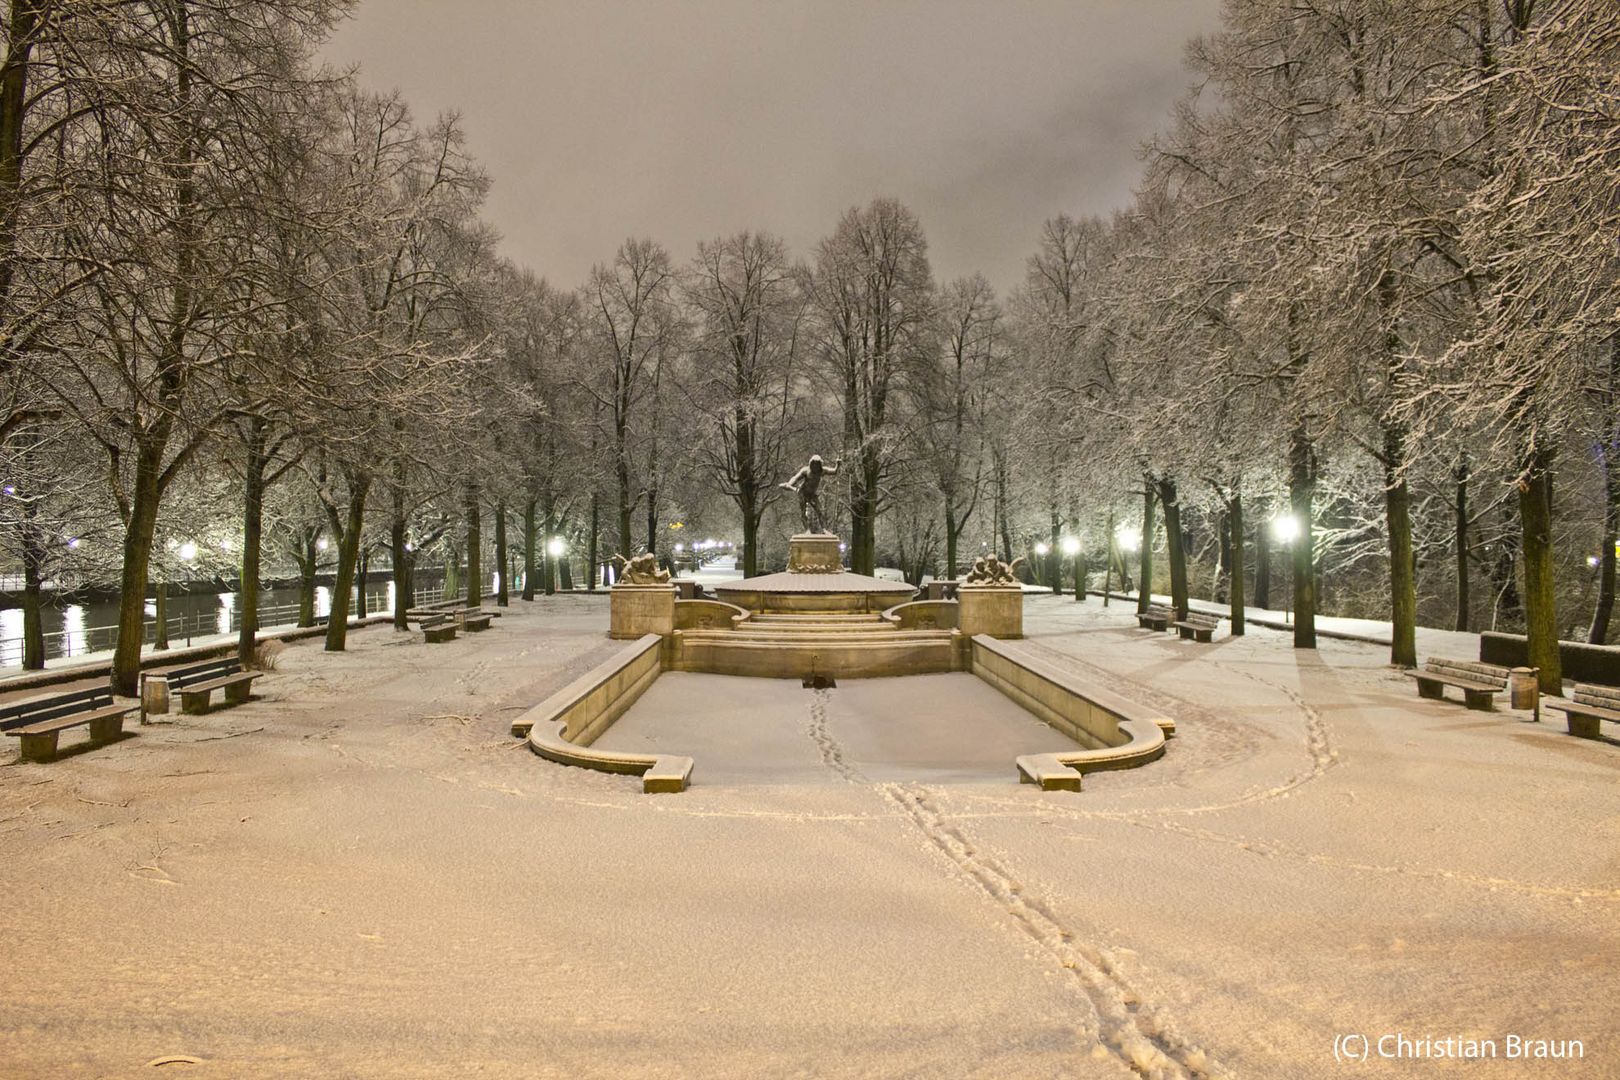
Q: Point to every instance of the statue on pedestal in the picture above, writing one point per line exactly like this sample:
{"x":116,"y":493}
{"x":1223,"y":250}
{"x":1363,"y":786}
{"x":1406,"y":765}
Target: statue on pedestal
{"x":641,"y":570}
{"x":989,"y":570}
{"x":807,"y":482}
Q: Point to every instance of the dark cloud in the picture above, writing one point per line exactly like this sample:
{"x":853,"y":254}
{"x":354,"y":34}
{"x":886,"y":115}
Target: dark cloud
{"x":684,"y":121}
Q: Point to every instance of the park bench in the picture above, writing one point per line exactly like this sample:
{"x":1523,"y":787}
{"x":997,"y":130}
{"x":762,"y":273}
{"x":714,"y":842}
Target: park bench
{"x":1589,"y":706}
{"x":474,"y":619}
{"x":39,"y":721}
{"x":1156,"y":617}
{"x":438,"y":628}
{"x":1479,"y":683}
{"x":1197,"y":626}
{"x":196,"y":683}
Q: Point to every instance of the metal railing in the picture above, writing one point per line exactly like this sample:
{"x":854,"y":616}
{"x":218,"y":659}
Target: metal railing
{"x":69,"y":642}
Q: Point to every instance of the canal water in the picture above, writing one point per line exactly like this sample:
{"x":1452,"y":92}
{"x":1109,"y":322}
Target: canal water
{"x":73,"y":629}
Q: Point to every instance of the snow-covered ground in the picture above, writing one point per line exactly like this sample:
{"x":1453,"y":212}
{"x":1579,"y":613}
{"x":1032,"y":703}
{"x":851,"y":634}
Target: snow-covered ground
{"x":362,"y":873}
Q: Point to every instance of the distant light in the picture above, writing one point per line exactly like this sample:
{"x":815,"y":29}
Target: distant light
{"x":1285,"y":529}
{"x":555,"y":546}
{"x":1592,"y":560}
{"x":1042,"y":548}
{"x":843,"y":547}
{"x":73,"y":542}
{"x":320,"y":545}
{"x":10,"y":489}
{"x":188,"y":551}
{"x":714,"y":543}
{"x":1071,"y":545}
{"x":1128,"y":539}
{"x":408,"y":546}
{"x":679,"y":548}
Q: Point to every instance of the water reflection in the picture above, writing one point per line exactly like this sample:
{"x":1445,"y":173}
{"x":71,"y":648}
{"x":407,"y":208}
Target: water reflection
{"x":11,"y":632}
{"x":92,"y":625}
{"x":74,"y":639}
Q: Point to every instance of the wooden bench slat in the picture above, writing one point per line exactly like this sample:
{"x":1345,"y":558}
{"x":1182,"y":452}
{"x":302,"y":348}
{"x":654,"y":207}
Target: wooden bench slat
{"x":63,"y":723}
{"x":223,"y":681}
{"x":1586,"y":708}
{"x":1451,"y":680}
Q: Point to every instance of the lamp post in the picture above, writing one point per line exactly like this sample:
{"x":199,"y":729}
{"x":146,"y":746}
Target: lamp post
{"x":1071,"y":548}
{"x":1286,"y":530}
{"x":1128,"y":540}
{"x":554,"y":551}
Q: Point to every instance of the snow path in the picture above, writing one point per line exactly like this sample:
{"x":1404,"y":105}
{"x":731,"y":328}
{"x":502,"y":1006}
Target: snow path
{"x":1135,"y":1030}
{"x":361,"y":871}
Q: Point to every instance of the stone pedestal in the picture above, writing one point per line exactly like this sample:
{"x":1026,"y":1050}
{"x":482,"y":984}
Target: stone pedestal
{"x":997,"y":610}
{"x":641,"y":609}
{"x":814,"y":553}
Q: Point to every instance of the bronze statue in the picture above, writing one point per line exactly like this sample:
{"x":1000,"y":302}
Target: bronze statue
{"x":641,"y":570}
{"x":989,"y":570}
{"x":807,"y":482}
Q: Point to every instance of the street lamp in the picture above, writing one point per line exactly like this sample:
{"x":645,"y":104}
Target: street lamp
{"x":1286,"y":530}
{"x":188,"y":551}
{"x":555,"y":546}
{"x":1129,"y":539}
{"x":1071,"y":548}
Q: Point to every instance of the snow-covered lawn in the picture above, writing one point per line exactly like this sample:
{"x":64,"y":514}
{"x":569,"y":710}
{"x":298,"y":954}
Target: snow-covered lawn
{"x":363,"y":874}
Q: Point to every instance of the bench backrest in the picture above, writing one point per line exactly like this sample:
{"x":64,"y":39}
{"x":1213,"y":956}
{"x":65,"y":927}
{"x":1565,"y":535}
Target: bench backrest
{"x":1201,"y":617}
{"x":21,"y":713}
{"x":181,"y":677}
{"x":1604,"y":697}
{"x":1468,"y":669}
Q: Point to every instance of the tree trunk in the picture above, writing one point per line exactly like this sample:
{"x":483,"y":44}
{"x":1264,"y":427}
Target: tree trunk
{"x":337,"y":625}
{"x":160,"y":606}
{"x":252,"y":537}
{"x":1540,"y":598}
{"x":306,"y":579}
{"x":594,"y":550}
{"x":1262,"y":560}
{"x":475,"y":551}
{"x":503,"y":594}
{"x":1175,"y":545}
{"x":33,"y":559}
{"x":1144,"y":585}
{"x":138,"y":534}
{"x":565,"y":574}
{"x":1301,"y":496}
{"x":1234,"y":524}
{"x":1464,"y":619}
{"x":1598,"y":634}
{"x":1402,"y":568}
{"x":529,"y":509}
{"x":362,"y":570}
{"x":402,"y":565}
{"x":750,"y":566}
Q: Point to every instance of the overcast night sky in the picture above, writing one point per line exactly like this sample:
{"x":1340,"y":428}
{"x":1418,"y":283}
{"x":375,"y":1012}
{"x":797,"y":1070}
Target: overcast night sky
{"x":683,"y":122}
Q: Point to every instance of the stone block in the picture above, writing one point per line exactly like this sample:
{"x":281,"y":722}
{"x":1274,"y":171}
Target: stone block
{"x":994,"y":610}
{"x":637,"y":610}
{"x":814,"y":553}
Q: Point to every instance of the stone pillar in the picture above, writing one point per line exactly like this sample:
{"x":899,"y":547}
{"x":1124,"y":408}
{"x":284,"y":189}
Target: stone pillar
{"x":641,"y":609}
{"x":997,"y":610}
